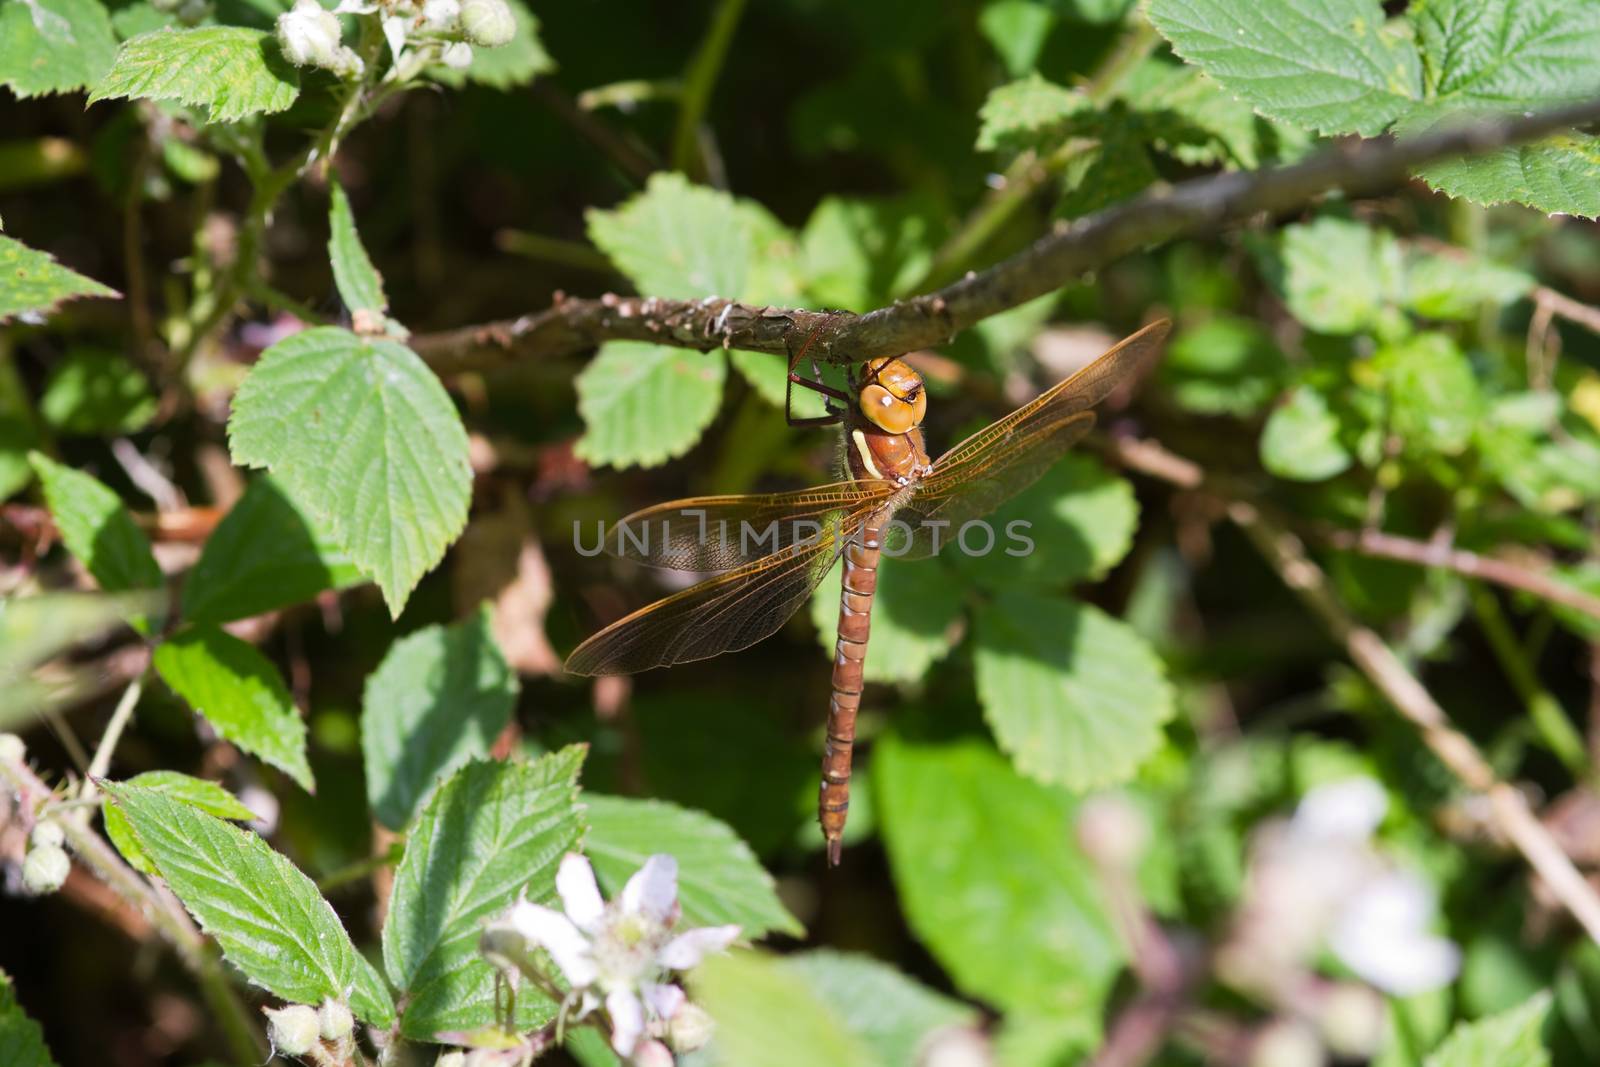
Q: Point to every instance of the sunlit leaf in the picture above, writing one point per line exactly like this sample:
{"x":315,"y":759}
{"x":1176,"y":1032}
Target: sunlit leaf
{"x":31,"y":283}
{"x":268,"y":917}
{"x":209,"y":797}
{"x":360,"y":284}
{"x":1227,"y":365}
{"x":1509,"y":1037}
{"x":233,"y":71}
{"x":768,"y":1015}
{"x":1301,"y":439}
{"x":1339,"y":275}
{"x":439,"y":698}
{"x":719,"y":879}
{"x":97,"y":528}
{"x":1435,"y":402}
{"x":54,"y":46}
{"x":95,"y":392}
{"x":913,"y":618}
{"x":1026,"y":113}
{"x":644,"y":404}
{"x":21,"y":1040}
{"x":240,"y":693}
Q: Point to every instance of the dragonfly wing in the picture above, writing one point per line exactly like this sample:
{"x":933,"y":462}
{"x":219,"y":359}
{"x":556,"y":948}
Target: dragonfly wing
{"x":721,"y":533}
{"x":722,"y":614}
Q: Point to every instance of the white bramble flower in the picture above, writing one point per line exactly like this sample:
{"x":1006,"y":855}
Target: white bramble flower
{"x":457,"y":56}
{"x":441,"y":15}
{"x":488,"y":23}
{"x":619,"y":953}
{"x":308,"y":33}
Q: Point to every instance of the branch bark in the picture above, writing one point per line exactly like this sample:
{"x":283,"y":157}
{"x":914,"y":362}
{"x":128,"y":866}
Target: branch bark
{"x":1071,"y":249}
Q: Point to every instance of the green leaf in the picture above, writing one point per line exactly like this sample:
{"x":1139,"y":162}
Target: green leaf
{"x":1027,"y":113}
{"x":769,"y":1015}
{"x":32,"y":284}
{"x":1510,"y":54}
{"x":1115,"y":169}
{"x":96,"y":527}
{"x":365,"y":438}
{"x":268,"y":917}
{"x":677,"y":240}
{"x":1074,"y":524}
{"x":1074,"y":696}
{"x":96,"y":392}
{"x":1331,"y":65}
{"x":1510,"y":1037}
{"x":1017,"y":30}
{"x":240,"y":693}
{"x":493,"y":832}
{"x":1227,"y":365}
{"x":1180,"y":102}
{"x":913,"y":618}
{"x":360,"y":285}
{"x":644,"y":404}
{"x":262,"y":556}
{"x":1301,"y":439}
{"x":54,"y":46}
{"x":859,"y":253}
{"x":233,"y":71}
{"x":18,"y":432}
{"x":510,"y":65}
{"x":1435,"y":403}
{"x":893,"y":1014}
{"x":1456,"y":288}
{"x":439,"y":698}
{"x":1338,"y":275}
{"x":719,"y":878}
{"x":208,"y":797}
{"x":984,"y":857}
{"x":1560,"y":174}
{"x":21,"y":1040}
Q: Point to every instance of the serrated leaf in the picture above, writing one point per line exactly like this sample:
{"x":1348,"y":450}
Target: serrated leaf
{"x":21,"y":1040}
{"x":208,"y":797}
{"x":891,"y":1013}
{"x":1509,"y":1037}
{"x":240,"y":693}
{"x":31,"y":283}
{"x":1017,"y":30}
{"x":1339,"y":275}
{"x":96,"y":392}
{"x":1456,"y":288}
{"x":719,"y":879}
{"x":1559,"y":175}
{"x":644,"y":404}
{"x":913,"y":618}
{"x":1074,"y":696}
{"x":1515,"y":54}
{"x":1301,"y":439}
{"x":982,"y":857}
{"x":262,"y":556}
{"x":1434,"y":399}
{"x":677,"y":240}
{"x":268,"y":917}
{"x":493,"y":832}
{"x":360,"y":285}
{"x":1074,"y":524}
{"x":97,"y":528}
{"x":362,"y":435}
{"x":232,"y":71}
{"x":1025,"y":113}
{"x":768,"y":1015}
{"x":861,"y":252}
{"x":1182,"y":99}
{"x":1227,"y":365}
{"x":54,"y":46}
{"x":439,"y":698}
{"x":1115,"y":169}
{"x":1331,"y":65}
{"x":508,"y":66}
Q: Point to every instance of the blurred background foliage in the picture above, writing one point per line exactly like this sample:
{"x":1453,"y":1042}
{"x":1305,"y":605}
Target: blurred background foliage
{"x":1416,"y":367}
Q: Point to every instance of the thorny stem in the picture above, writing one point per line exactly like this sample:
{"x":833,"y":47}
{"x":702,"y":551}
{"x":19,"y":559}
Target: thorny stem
{"x":164,"y":913}
{"x":1159,"y":215}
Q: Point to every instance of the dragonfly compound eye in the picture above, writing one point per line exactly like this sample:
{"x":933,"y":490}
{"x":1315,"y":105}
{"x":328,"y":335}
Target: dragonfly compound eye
{"x":886,"y":411}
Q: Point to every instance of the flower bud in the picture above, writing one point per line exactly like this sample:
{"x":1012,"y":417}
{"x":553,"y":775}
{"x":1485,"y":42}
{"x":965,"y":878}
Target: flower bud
{"x":12,"y":750}
{"x":651,"y":1053}
{"x":1286,"y":1043}
{"x":441,"y":15}
{"x":454,"y":1058}
{"x":690,"y":1028}
{"x":45,"y":869}
{"x":1112,"y":831}
{"x":294,"y":1029}
{"x":1351,"y":1019}
{"x":334,"y":1021}
{"x":488,"y":23}
{"x":308,"y":34}
{"x":47,"y":834}
{"x":457,"y":56}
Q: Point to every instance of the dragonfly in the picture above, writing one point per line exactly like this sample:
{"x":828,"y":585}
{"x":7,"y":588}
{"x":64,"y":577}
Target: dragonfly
{"x":768,"y":552}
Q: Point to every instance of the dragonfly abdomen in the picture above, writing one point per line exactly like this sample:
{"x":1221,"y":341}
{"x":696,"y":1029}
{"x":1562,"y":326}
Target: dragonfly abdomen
{"x":860,"y":583}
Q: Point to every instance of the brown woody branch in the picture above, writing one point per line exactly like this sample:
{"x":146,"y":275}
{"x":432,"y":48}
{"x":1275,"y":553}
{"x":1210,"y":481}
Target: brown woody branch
{"x":1071,"y":249}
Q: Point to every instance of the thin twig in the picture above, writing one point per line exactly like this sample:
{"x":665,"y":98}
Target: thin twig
{"x":1071,"y":249}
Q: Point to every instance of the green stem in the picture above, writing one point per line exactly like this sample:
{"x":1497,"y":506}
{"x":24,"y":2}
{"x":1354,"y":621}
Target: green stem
{"x":360,"y":869}
{"x":699,"y":80}
{"x":109,"y":740}
{"x":1544,"y":710}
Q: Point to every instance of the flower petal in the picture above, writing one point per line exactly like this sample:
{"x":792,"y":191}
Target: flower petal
{"x":579,"y":893}
{"x":1349,"y":810}
{"x":653,"y":890}
{"x":688,"y":948}
{"x":662,"y":998}
{"x":627,"y":1020}
{"x":554,"y":932}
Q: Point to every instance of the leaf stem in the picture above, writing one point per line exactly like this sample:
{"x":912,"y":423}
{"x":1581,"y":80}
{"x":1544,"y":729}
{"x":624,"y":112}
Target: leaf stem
{"x":120,"y":717}
{"x":1560,"y":736}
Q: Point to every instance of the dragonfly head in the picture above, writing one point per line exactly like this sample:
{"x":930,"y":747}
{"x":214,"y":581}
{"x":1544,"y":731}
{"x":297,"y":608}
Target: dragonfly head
{"x":891,"y":395}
